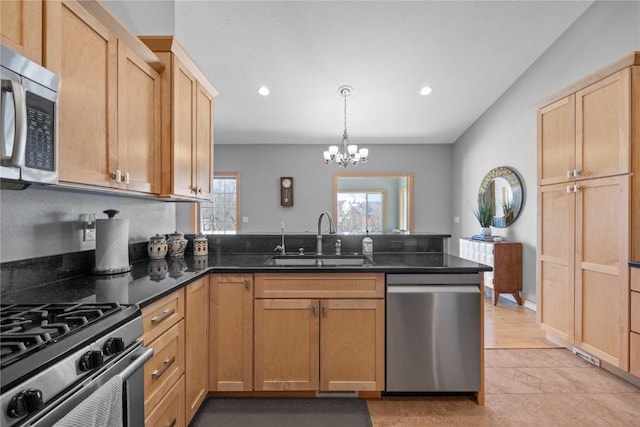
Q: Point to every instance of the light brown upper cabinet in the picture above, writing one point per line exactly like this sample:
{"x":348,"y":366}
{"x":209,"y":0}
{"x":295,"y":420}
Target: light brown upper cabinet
{"x":21,"y":27}
{"x":109,"y":99}
{"x":588,"y":210}
{"x":187,"y":116}
{"x":586,"y":135}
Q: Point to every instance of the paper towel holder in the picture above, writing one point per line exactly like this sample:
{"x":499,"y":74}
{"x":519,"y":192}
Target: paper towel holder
{"x":111,"y":213}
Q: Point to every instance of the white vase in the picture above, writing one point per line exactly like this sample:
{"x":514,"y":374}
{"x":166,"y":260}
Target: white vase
{"x":485,"y":231}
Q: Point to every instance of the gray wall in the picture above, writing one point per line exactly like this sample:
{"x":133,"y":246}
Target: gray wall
{"x":505,"y":135}
{"x":261,"y":166}
{"x":39,"y":221}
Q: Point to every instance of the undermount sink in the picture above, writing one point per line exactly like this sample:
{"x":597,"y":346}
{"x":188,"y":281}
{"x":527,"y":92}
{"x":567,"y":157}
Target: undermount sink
{"x":296,"y":260}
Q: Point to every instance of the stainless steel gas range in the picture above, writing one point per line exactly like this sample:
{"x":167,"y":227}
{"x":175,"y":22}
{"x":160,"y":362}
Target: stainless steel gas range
{"x":55,"y":356}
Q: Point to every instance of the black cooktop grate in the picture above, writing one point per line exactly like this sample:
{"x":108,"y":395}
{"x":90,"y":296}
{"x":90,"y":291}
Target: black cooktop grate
{"x":25,"y":328}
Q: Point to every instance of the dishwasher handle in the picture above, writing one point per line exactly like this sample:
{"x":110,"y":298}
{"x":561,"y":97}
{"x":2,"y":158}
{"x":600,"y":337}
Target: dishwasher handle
{"x":429,"y":289}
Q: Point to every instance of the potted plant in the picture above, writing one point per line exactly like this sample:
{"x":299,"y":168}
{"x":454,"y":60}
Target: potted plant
{"x":484,"y":214}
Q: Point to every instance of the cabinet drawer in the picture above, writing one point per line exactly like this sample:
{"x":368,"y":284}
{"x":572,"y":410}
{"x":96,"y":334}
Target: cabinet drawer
{"x":635,"y":312}
{"x":635,"y":279}
{"x":165,"y":367}
{"x":327,"y":285}
{"x":170,"y":410}
{"x":634,"y":363}
{"x":162,"y":314}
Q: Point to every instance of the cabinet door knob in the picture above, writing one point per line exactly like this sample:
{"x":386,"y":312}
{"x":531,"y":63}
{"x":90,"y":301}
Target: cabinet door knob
{"x":314,"y":310}
{"x":576,"y":188}
{"x":247,"y":284}
{"x":576,"y":173}
{"x":569,"y":189}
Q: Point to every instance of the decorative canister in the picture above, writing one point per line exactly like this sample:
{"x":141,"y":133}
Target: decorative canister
{"x":157,"y":269}
{"x":157,"y":247}
{"x":177,"y":244}
{"x":200,"y":245}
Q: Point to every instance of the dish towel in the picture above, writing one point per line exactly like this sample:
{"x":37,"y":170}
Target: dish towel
{"x":103,"y":408}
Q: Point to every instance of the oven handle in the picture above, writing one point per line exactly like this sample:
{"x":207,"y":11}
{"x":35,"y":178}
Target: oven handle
{"x":138,"y":358}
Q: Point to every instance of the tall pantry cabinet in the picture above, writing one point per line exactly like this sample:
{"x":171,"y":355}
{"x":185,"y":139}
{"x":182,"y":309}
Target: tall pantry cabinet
{"x":588,"y":138}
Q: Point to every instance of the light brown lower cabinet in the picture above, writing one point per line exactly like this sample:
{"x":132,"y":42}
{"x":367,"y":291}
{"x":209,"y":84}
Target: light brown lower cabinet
{"x":165,"y":367}
{"x":334,"y":342}
{"x":197,"y":345}
{"x":164,"y":379}
{"x":583,"y":277}
{"x":170,"y":410}
{"x":231,"y":332}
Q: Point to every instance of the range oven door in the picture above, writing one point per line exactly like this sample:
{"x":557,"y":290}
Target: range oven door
{"x":129,"y":367}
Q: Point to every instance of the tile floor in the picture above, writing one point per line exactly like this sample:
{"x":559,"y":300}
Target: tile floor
{"x":524,"y":387}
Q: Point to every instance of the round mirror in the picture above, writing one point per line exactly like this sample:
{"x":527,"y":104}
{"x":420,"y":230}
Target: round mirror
{"x":502,"y":187}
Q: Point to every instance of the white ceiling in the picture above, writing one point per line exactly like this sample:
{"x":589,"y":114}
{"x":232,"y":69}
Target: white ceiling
{"x":469,"y":52}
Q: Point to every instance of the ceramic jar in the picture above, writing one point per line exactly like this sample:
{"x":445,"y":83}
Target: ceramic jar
{"x":157,"y":247}
{"x":200,"y":245}
{"x":177,"y":244}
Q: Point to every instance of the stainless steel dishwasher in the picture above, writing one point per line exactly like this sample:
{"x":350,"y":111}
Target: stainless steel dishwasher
{"x":433,"y":333}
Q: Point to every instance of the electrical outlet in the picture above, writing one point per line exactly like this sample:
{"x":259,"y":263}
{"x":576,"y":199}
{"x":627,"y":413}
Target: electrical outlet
{"x":89,"y":228}
{"x":89,"y":233}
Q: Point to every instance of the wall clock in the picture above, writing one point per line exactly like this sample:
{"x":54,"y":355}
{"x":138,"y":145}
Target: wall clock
{"x":286,"y":191}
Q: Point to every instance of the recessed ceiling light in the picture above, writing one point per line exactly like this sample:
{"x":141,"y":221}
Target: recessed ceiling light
{"x":426,"y":90}
{"x":263,"y":90}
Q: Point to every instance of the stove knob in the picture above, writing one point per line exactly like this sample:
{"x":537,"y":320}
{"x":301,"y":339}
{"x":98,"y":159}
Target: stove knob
{"x":26,"y":402}
{"x":91,"y":360}
{"x":113,"y":346}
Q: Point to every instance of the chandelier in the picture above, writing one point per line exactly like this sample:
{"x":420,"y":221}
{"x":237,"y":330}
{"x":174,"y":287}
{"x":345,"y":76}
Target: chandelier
{"x":346,"y":154}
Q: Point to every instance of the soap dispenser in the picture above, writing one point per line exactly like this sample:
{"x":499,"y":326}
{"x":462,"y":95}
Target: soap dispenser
{"x":367,"y":247}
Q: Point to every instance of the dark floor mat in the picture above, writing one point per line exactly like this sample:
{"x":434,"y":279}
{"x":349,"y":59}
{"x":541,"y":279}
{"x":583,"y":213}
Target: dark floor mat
{"x":283,"y":412}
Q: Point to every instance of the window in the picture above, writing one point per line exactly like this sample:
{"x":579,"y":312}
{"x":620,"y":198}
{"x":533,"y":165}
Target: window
{"x":361,"y":212}
{"x":221,"y":216}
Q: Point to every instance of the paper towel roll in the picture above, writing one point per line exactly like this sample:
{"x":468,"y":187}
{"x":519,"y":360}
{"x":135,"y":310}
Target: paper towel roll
{"x":112,"y":246}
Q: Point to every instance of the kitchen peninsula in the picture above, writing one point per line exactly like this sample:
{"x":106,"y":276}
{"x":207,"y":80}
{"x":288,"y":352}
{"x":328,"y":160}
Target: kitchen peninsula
{"x":228,"y":303}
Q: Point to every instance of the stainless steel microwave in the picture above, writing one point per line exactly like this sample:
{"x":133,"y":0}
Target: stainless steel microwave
{"x":29,"y":121}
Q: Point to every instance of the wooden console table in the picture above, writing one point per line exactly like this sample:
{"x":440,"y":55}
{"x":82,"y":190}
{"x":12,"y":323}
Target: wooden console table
{"x":506,"y":260}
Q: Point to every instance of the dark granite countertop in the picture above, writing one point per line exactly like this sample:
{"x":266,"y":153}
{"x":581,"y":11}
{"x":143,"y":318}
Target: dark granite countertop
{"x":152,"y":279}
{"x":634,"y":264}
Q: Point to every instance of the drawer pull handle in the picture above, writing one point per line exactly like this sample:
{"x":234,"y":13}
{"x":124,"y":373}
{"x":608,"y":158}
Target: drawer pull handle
{"x":171,"y":423}
{"x":158,"y":372}
{"x":324,"y":310}
{"x":168,"y":312}
{"x":314,"y":310}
